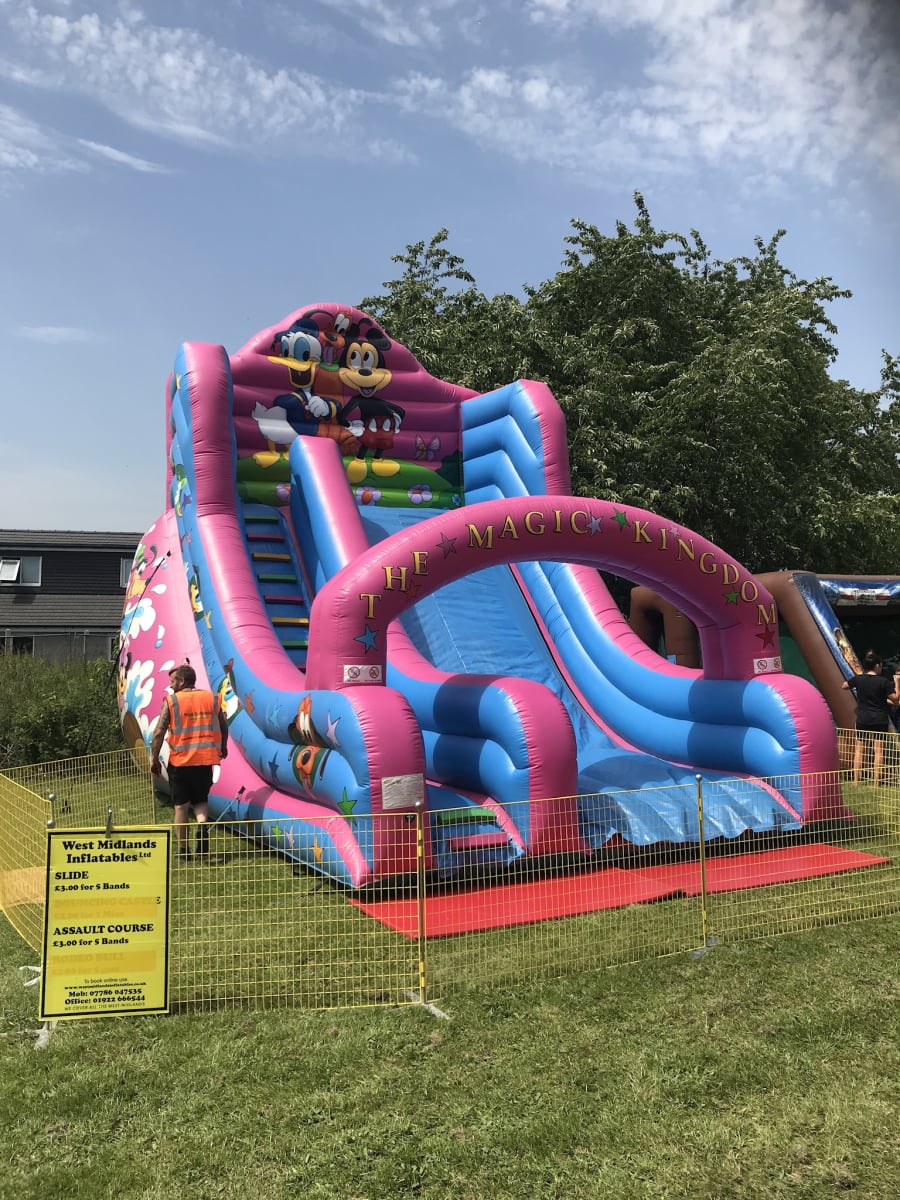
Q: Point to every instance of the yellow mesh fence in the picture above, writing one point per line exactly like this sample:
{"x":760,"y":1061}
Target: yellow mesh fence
{"x":23,"y":856}
{"x":251,"y":927}
{"x":81,"y":791}
{"x":565,"y":911}
{"x":71,"y":792}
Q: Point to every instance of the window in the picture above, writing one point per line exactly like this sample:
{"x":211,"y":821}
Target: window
{"x":17,"y":645}
{"x":25,"y":571}
{"x":124,"y":571}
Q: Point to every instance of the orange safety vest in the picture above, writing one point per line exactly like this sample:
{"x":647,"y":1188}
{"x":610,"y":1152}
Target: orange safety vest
{"x":195,"y":737}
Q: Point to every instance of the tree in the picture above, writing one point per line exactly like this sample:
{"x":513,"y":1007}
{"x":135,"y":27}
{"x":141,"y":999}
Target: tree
{"x":695,"y":387}
{"x":454,"y":330}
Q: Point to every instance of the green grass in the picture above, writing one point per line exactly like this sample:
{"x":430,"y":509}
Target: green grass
{"x":768,"y":1070}
{"x":765,"y":1068}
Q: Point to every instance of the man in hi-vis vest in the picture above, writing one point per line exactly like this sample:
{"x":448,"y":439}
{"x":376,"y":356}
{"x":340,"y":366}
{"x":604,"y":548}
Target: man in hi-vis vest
{"x":198,"y":739}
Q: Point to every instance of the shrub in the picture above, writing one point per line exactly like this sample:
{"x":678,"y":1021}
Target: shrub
{"x":52,"y":710}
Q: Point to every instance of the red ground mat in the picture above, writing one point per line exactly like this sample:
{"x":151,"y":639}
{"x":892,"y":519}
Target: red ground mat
{"x":613,"y":887}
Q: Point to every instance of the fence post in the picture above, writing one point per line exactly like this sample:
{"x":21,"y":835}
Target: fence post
{"x":420,"y":899}
{"x":701,"y":827}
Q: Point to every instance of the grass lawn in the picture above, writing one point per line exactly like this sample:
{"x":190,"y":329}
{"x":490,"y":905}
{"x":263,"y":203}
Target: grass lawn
{"x":765,"y":1070}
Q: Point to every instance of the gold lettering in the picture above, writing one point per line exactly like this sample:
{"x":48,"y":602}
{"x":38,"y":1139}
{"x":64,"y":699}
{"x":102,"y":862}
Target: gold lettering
{"x":483,"y":540}
{"x":766,"y":616}
{"x":528,"y":526}
{"x":704,"y":557}
{"x":370,"y":598}
{"x":578,"y":513}
{"x":557,"y":524}
{"x":392,"y":574}
{"x":663,"y":544}
{"x":420,"y":562}
{"x":686,"y":548}
{"x":640,"y":532}
{"x":730,"y":573}
{"x":749,"y":591}
{"x":509,"y":529}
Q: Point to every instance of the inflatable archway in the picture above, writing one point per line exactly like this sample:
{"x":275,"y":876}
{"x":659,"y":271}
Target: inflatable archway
{"x":353,"y":610}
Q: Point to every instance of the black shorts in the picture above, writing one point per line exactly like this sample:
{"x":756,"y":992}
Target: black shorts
{"x":189,"y":785}
{"x":862,"y":731}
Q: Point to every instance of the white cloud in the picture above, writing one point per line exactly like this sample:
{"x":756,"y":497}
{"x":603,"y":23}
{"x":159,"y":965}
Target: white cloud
{"x":176,"y":82}
{"x":25,"y":146}
{"x":398,"y":23}
{"x":536,"y":116}
{"x":807,"y":84}
{"x":55,"y":335}
{"x":775,"y":91}
{"x":125,"y":160}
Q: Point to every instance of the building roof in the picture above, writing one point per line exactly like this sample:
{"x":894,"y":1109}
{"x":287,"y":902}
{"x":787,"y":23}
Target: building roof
{"x":36,"y":612}
{"x":68,"y":539}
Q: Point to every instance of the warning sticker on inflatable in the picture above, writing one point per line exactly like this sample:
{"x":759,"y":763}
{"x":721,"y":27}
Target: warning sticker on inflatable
{"x":401,"y":791}
{"x":360,"y":673}
{"x":764,"y":666}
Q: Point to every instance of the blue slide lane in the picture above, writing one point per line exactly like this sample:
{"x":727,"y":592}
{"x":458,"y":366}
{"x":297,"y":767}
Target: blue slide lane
{"x":483,"y":625}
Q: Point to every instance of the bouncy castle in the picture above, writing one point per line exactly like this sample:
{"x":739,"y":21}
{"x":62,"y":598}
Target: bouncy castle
{"x":389,"y":584}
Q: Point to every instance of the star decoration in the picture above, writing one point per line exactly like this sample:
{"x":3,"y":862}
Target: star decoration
{"x":731,"y":597}
{"x":620,"y":518}
{"x":317,"y":849}
{"x":767,"y":637}
{"x":248,"y":702}
{"x":207,"y":617}
{"x":331,"y":731}
{"x":347,"y":805}
{"x":447,"y":544}
{"x":369,"y":639}
{"x":272,"y":714}
{"x":273,"y":767}
{"x":276,"y":834}
{"x":594,"y":524}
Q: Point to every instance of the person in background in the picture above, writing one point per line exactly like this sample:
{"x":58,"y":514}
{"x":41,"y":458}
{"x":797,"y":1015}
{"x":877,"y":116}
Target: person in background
{"x":874,"y":695}
{"x":890,"y":665}
{"x":198,"y":739}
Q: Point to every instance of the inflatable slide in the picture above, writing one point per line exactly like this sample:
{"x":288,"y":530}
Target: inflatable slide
{"x":386,"y":579}
{"x":827,"y":624}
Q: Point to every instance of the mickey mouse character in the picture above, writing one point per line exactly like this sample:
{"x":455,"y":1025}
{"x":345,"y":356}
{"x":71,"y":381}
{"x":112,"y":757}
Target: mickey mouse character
{"x":379,"y":420}
{"x":363,"y":372}
{"x":362,"y":368}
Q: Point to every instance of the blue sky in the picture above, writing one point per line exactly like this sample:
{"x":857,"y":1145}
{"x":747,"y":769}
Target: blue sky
{"x":195,"y":171}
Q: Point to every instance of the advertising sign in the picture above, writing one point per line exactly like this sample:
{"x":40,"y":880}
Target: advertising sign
{"x":106,"y":923}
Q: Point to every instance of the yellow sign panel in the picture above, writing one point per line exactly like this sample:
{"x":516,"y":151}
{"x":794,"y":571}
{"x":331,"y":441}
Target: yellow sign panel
{"x":106,"y":922}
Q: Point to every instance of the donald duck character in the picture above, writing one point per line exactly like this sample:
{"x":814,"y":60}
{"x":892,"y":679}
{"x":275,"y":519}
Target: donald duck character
{"x":301,"y":411}
{"x":300,"y":350}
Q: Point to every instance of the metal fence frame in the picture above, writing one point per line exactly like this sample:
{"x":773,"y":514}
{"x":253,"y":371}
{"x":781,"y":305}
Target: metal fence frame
{"x":250,"y":928}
